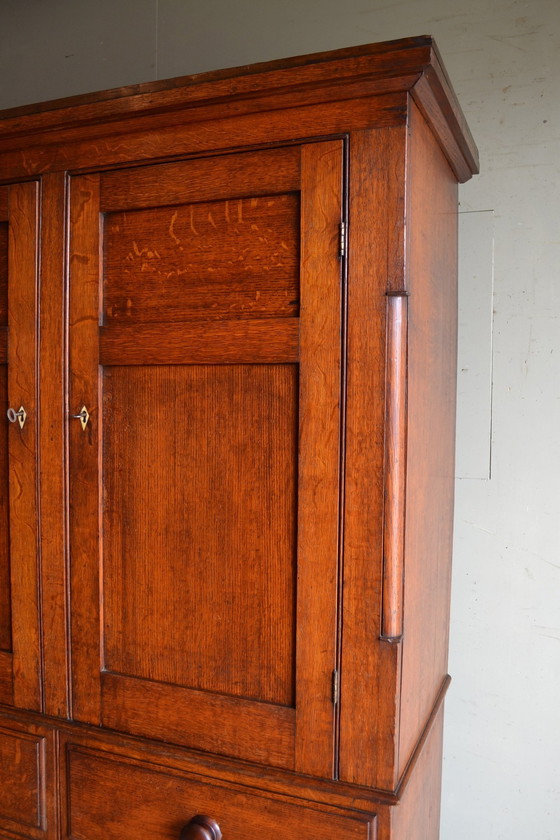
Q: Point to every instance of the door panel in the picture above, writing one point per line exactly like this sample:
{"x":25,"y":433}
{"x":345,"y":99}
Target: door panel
{"x":203,"y":486}
{"x":166,"y":259}
{"x":19,"y":622}
{"x":234,"y":428}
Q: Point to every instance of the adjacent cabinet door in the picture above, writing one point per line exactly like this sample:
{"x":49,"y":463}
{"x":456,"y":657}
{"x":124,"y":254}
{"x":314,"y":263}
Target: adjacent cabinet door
{"x":205,"y":380}
{"x":19,"y":600}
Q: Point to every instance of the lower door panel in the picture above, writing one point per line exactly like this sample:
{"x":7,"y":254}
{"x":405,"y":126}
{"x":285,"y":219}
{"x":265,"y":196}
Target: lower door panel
{"x":27,"y":781}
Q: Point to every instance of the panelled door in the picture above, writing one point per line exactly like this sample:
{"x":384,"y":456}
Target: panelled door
{"x":19,"y":614}
{"x":205,"y":357}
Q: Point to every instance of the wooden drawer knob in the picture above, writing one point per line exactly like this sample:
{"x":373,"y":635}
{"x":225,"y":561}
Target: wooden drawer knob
{"x":201,"y":828}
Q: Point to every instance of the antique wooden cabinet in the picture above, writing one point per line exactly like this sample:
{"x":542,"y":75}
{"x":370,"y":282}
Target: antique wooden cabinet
{"x":227,"y":365}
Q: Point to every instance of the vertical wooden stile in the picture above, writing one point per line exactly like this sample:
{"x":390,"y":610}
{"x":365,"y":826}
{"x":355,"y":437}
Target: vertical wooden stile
{"x":22,"y":390}
{"x":320,"y":399}
{"x":84,"y":444}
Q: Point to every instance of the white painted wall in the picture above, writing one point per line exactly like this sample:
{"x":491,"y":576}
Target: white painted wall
{"x":502,"y":763}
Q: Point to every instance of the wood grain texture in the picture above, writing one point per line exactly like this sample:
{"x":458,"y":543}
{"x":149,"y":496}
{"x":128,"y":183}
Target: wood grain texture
{"x":148,"y":141}
{"x":219,"y":259}
{"x":210,"y":569}
{"x":395,"y":468}
{"x":368,"y":70}
{"x":6,"y":677}
{"x":3,"y":273}
{"x":84,"y":446}
{"x":248,"y":175}
{"x":201,"y":720}
{"x":319,"y":465}
{"x":126,"y":796}
{"x":22,"y":390}
{"x":28,"y":774}
{"x":266,"y":341}
{"x":418,"y":813}
{"x":22,"y":769}
{"x":52,"y":443}
{"x":5,"y":593}
{"x":129,"y":703}
{"x":370,"y":667}
{"x":432,"y":283}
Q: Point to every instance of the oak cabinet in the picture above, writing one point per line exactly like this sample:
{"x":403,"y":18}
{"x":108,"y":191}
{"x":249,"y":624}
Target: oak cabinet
{"x":227,"y":352}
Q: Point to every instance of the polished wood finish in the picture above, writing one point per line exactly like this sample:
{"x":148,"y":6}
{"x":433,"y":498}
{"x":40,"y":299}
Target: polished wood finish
{"x":432,"y":362}
{"x":20,"y":662}
{"x":194,"y":418}
{"x":5,"y":604}
{"x":123,"y":795}
{"x":241,"y":341}
{"x":395,"y":468}
{"x":227,"y":594}
{"x":22,"y":763}
{"x":370,"y":665}
{"x":27,"y":780}
{"x":52,"y":443}
{"x":237,"y":452}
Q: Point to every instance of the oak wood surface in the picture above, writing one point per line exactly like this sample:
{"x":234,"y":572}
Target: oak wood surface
{"x":418,"y":814}
{"x":218,"y":259}
{"x":3,"y":271}
{"x":319,"y":459}
{"x":370,"y":666}
{"x":125,"y":796}
{"x":22,"y":766}
{"x":246,"y":175}
{"x":3,"y":345}
{"x":5,"y":608}
{"x":203,"y":720}
{"x":432,"y":348}
{"x":84,"y":446}
{"x":27,"y":780}
{"x":229,"y":770}
{"x":209,"y":571}
{"x":237,"y":540}
{"x":239,"y":341}
{"x":52,"y":445}
{"x":5,"y":599}
{"x":151,"y":141}
{"x":395,"y":469}
{"x":23,"y":466}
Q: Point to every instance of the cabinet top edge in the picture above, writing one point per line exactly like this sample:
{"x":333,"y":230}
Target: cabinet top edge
{"x":400,"y":64}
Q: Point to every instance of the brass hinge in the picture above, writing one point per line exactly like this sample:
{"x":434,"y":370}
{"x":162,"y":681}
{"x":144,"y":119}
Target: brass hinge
{"x":335,"y":687}
{"x":342,"y":239}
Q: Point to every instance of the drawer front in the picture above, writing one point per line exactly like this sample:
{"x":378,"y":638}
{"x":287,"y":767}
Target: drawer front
{"x":115,"y":798}
{"x":26,"y":792}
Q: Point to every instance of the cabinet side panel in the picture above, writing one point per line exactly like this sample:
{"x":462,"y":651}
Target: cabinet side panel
{"x":417,"y":816}
{"x":432,"y":331}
